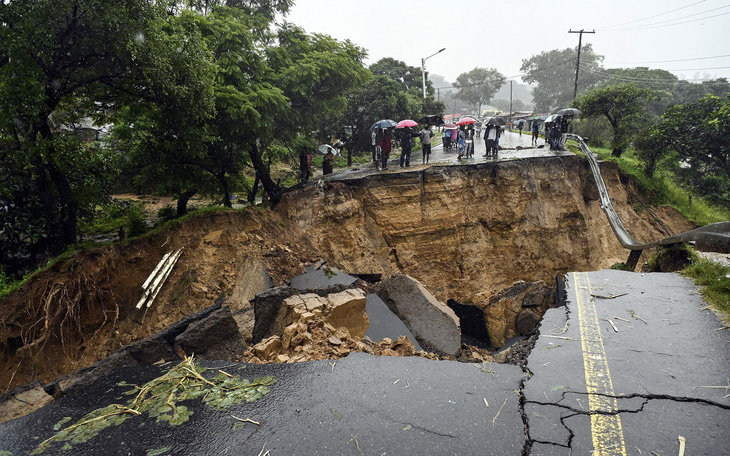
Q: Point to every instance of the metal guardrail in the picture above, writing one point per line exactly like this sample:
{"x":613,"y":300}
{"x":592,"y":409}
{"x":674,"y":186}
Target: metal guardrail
{"x":714,"y":237}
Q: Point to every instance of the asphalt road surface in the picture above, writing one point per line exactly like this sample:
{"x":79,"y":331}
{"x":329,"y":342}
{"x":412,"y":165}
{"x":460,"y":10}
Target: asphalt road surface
{"x":631,"y":363}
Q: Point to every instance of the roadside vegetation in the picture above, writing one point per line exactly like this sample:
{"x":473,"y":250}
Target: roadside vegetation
{"x":217,"y":99}
{"x":714,"y":282}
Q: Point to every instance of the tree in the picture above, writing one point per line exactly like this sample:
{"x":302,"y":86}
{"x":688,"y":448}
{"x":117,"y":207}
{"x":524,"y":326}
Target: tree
{"x":57,"y":61}
{"x":697,"y":133}
{"x":315,"y":72}
{"x":409,"y":76}
{"x":624,"y":106}
{"x":478,"y":86}
{"x":554,"y":73}
{"x":380,"y":98}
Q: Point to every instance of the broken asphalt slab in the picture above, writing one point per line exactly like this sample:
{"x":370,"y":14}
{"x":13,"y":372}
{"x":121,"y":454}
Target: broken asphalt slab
{"x":657,"y":365}
{"x":357,"y":405}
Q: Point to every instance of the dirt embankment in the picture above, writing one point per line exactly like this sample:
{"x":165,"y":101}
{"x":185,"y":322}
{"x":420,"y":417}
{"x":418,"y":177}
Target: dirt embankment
{"x":465,"y":232}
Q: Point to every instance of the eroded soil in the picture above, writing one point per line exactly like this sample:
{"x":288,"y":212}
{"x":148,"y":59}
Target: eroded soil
{"x":465,"y":232}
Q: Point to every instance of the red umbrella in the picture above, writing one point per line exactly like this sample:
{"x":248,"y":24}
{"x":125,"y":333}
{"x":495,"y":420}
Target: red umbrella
{"x":449,"y":125}
{"x":466,"y":120}
{"x":406,"y":123}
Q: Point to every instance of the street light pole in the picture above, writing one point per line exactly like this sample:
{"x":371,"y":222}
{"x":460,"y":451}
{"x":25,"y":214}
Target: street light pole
{"x":423,"y":70}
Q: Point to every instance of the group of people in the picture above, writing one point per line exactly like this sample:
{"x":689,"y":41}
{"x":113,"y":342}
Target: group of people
{"x":556,"y":133}
{"x":383,"y":138}
{"x":305,"y":163}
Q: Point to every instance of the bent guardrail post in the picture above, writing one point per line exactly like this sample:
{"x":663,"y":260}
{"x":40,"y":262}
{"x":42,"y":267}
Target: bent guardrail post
{"x":714,"y":237}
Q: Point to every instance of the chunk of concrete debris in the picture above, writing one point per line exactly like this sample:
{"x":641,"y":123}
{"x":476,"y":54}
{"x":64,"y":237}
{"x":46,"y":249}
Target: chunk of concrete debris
{"x":347,"y":309}
{"x":435,"y":325}
{"x":344,"y":309}
{"x":22,"y":401}
{"x":206,"y":334}
{"x":266,"y":348}
{"x":272,"y":316}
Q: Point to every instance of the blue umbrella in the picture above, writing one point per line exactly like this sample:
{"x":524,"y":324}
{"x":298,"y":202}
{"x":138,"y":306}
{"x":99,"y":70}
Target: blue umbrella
{"x":385,"y":123}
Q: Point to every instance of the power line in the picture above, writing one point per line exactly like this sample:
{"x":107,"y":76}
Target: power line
{"x":625,"y":78}
{"x":636,"y":29}
{"x":668,"y":61}
{"x":701,"y":69}
{"x":652,"y":17}
{"x":677,"y":18}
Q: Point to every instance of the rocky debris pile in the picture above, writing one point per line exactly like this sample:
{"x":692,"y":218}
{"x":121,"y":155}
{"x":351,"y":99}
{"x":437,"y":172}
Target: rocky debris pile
{"x":309,"y":326}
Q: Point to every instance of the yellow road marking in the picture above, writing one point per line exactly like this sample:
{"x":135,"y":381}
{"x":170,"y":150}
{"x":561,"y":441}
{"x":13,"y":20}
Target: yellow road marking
{"x":608,"y":436}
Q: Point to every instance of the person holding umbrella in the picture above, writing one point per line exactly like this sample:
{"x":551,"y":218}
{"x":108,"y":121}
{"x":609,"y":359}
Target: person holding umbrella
{"x":406,"y":136}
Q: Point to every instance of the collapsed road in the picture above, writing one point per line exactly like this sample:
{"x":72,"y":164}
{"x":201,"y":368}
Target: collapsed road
{"x":610,"y":372}
{"x":627,"y":365}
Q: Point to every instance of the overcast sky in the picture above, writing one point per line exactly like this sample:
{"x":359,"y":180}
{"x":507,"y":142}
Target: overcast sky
{"x":482,"y":33}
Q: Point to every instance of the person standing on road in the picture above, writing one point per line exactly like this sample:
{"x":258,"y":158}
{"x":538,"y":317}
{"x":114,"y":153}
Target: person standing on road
{"x":461,"y":144}
{"x":406,"y":145}
{"x":520,"y":123}
{"x":375,"y":140}
{"x":469,"y":140}
{"x":385,"y":147}
{"x":535,"y":132}
{"x":426,"y":134}
{"x":490,"y":139}
{"x":328,"y":163}
{"x":564,"y":124}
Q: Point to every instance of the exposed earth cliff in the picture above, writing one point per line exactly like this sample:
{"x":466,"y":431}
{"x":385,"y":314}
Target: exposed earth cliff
{"x":465,"y":232}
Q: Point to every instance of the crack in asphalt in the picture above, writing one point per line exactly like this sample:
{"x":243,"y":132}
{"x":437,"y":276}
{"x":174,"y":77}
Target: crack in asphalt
{"x":647,"y":397}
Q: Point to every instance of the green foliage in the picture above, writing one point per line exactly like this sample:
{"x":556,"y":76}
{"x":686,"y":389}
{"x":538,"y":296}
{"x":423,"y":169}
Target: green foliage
{"x":671,"y":258}
{"x":159,"y":398}
{"x":165,"y":214}
{"x":478,"y":86}
{"x":624,"y":106}
{"x":694,"y":136}
{"x":620,"y":267}
{"x":663,"y":188}
{"x":112,"y":216}
{"x":380,"y":98}
{"x":714,"y":281}
{"x":553,"y":72}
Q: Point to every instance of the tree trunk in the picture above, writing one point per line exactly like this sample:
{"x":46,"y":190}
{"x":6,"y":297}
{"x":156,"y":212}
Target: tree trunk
{"x":42,"y":187}
{"x":182,"y":202}
{"x":270,"y":187}
{"x":254,"y":190}
{"x":69,"y":210}
{"x":226,"y":189}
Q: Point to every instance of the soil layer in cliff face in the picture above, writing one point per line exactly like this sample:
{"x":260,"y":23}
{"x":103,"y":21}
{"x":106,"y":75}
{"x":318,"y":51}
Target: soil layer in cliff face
{"x":465,"y":232}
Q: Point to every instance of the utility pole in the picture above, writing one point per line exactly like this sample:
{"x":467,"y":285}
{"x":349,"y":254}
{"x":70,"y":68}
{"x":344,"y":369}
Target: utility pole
{"x":423,"y":69}
{"x":577,"y":63}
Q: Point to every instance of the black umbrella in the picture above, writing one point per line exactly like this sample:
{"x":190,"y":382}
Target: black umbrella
{"x":385,"y":123}
{"x":432,"y":119}
{"x":569,"y":112}
{"x":498,"y":121}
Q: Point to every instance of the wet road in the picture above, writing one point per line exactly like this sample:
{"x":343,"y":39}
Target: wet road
{"x":633,"y":362}
{"x":513,"y":147}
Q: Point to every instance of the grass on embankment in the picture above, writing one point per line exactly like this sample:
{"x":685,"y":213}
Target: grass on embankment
{"x":712,"y":278}
{"x":714,"y":282}
{"x":663,"y":190}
